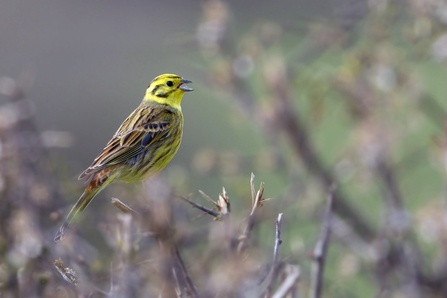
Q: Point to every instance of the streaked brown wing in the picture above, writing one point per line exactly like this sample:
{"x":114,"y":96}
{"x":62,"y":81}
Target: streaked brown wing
{"x":142,"y":128}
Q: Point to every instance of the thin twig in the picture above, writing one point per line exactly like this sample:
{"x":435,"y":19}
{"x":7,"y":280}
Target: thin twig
{"x":191,"y":286}
{"x":258,"y":199}
{"x":222,"y":204}
{"x":344,"y":232}
{"x":292,"y":277}
{"x":320,"y":250}
{"x":251,"y":219}
{"x":123,"y":207}
{"x":252,"y":184}
{"x":206,"y":197}
{"x":404,"y":255}
{"x":201,"y":207}
{"x":177,"y":288}
{"x":274,"y":269}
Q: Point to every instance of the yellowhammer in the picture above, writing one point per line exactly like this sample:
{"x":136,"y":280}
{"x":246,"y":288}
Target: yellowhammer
{"x":143,"y":145}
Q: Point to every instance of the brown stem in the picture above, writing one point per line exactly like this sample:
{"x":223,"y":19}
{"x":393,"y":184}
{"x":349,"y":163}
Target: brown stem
{"x":298,"y":136}
{"x":274,"y":268}
{"x":320,"y":251}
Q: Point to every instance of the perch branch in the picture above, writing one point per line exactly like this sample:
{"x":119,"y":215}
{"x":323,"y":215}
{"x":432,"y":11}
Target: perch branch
{"x":201,"y":207}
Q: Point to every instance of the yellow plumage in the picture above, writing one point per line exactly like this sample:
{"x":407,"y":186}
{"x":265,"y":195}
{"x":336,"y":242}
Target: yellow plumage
{"x":143,"y":145}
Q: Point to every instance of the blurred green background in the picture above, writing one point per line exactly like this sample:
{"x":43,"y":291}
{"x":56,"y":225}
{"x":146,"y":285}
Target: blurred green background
{"x":366,"y":80}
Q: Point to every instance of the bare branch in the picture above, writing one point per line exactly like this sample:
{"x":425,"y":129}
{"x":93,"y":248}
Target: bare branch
{"x":258,"y":199}
{"x":274,"y":269}
{"x":206,"y":197}
{"x":252,"y":184}
{"x":191,"y":287}
{"x":123,"y":207}
{"x":201,"y":207}
{"x":292,"y":277}
{"x":222,"y":204}
{"x":341,"y":229}
{"x":320,"y":250}
{"x":298,"y":135}
{"x":177,"y":288}
{"x":251,"y":219}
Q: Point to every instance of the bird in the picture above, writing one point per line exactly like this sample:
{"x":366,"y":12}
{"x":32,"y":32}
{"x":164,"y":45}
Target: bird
{"x":141,"y":147}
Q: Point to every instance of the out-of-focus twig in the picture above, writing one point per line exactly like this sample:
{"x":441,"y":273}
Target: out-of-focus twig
{"x":252,"y":217}
{"x":191,"y":287}
{"x":177,"y":288}
{"x":298,"y":136}
{"x":320,"y":250}
{"x":123,"y":207}
{"x":292,"y":277}
{"x":29,"y":192}
{"x":192,"y":291}
{"x":274,"y":268}
{"x":403,"y":255}
{"x":341,"y":229}
{"x":252,"y":187}
{"x":393,"y":196}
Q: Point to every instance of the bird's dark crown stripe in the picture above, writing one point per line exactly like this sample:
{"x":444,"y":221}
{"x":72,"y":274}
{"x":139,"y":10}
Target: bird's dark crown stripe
{"x":165,"y":77}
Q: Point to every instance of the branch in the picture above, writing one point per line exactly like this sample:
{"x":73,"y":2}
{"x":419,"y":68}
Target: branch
{"x":191,"y":287}
{"x":353,"y":241}
{"x":298,"y":135}
{"x":123,"y":207}
{"x":251,"y":218}
{"x":222,"y":204}
{"x":292,"y":277}
{"x":403,"y":256}
{"x":176,"y":286}
{"x":201,"y":207}
{"x":252,"y":184}
{"x":274,"y":268}
{"x":320,"y":250}
{"x":175,"y":251}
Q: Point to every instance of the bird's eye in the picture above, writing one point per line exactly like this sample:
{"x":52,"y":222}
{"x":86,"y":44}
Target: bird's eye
{"x":170,"y":83}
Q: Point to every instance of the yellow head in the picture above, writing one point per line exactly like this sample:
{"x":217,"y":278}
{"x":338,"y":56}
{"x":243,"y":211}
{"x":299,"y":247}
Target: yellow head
{"x":167,"y":89}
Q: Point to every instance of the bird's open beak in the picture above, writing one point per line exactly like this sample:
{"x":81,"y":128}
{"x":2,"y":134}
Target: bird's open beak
{"x":183,"y":87}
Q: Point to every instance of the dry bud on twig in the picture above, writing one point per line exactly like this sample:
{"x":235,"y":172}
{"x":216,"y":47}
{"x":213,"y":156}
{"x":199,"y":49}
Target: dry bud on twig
{"x":67,"y":273}
{"x":256,"y":202}
{"x":222,"y":205}
{"x":123,"y":207}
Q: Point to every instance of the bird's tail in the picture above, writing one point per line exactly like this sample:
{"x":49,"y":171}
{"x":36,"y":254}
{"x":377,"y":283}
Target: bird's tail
{"x":90,"y":192}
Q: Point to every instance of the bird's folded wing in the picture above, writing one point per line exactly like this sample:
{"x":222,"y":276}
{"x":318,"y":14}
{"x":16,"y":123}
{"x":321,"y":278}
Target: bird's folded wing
{"x":138,"y":132}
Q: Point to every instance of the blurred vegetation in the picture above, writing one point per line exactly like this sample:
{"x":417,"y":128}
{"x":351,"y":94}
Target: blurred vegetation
{"x":358,"y":101}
